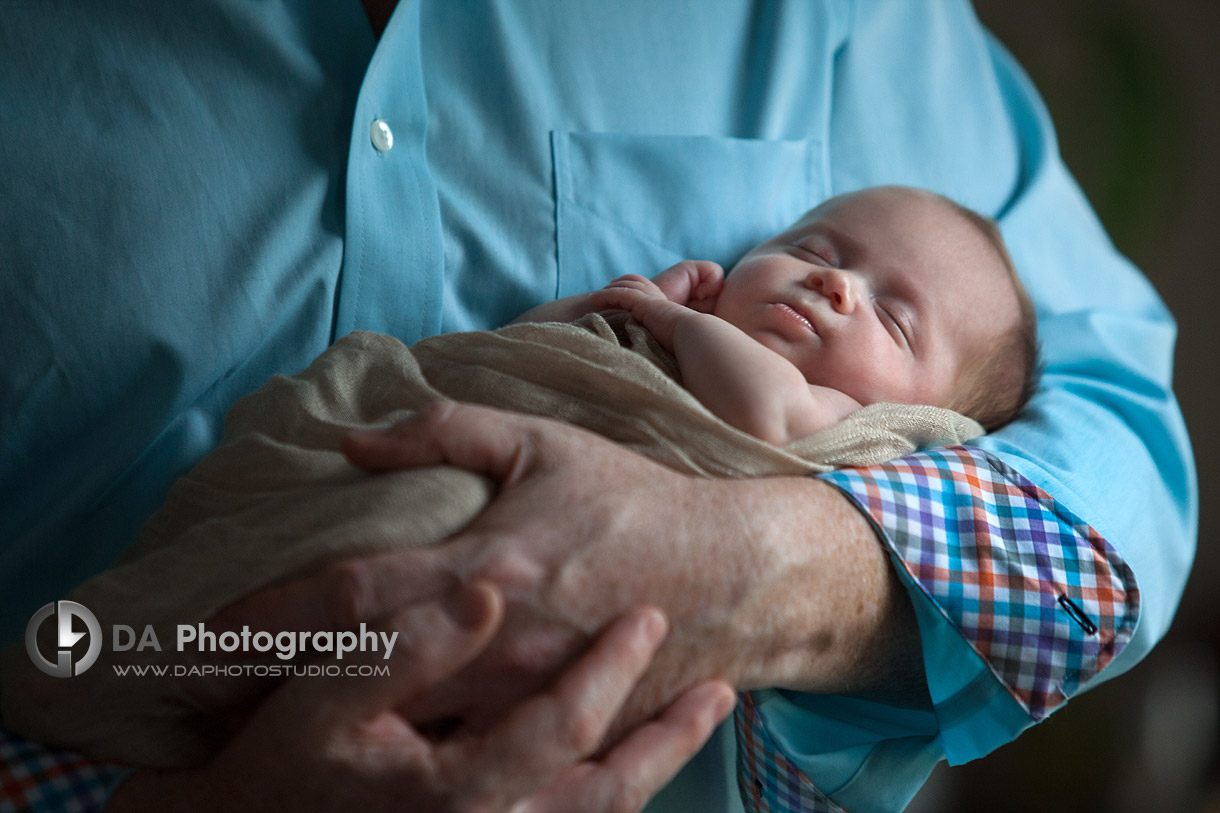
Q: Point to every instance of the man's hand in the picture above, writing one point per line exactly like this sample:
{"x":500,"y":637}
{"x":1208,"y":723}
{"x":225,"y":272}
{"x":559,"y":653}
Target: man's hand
{"x":338,"y":743}
{"x":776,"y":582}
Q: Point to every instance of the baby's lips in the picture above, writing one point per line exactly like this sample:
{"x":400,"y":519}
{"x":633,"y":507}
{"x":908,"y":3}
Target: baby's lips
{"x":799,"y":313}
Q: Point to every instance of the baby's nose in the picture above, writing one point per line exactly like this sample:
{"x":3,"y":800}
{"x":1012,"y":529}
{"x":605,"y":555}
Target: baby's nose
{"x":836,"y":287}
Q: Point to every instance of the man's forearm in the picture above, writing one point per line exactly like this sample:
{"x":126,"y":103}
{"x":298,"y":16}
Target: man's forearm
{"x":817,"y":605}
{"x":782,"y":584}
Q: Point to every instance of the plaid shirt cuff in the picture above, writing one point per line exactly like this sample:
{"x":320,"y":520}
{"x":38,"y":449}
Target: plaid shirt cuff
{"x":1036,"y":592}
{"x":41,"y":780}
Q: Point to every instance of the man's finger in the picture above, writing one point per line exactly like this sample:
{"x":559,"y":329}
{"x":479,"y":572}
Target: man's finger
{"x":639,"y":766}
{"x":430,"y":642}
{"x":475,"y":438}
{"x":564,"y":725}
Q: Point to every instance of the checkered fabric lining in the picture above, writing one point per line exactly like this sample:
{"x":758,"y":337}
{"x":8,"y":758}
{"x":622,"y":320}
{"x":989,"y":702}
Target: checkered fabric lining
{"x":1039,"y":594}
{"x":767,"y":780}
{"x":40,"y":780}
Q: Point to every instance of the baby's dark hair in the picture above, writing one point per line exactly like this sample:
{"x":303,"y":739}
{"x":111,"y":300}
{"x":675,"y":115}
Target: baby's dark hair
{"x":1001,"y":377}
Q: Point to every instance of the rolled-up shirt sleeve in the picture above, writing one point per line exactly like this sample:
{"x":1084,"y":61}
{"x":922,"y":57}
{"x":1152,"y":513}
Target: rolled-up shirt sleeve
{"x":1042,"y":600}
{"x":1020,"y":605}
{"x":1044,"y":558}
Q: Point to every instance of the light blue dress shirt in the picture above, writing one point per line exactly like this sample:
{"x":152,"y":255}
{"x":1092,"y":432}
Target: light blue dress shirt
{"x":197,"y":195}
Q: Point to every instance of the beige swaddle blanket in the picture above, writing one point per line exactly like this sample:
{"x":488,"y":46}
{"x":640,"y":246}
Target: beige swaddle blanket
{"x":277,"y":498}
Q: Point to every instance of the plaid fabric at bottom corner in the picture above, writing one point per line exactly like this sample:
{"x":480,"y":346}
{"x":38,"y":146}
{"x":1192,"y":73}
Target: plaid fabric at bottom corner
{"x":768,"y":781}
{"x":35,"y":779}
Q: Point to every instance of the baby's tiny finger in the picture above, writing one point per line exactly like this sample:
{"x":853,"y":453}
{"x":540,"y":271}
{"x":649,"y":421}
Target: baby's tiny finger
{"x":627,"y":278}
{"x":615,"y":298}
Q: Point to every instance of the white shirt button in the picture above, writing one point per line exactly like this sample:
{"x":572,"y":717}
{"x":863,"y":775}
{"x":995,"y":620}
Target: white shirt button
{"x":382,"y":136}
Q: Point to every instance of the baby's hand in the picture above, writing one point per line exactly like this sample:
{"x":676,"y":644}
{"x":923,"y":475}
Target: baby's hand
{"x":626,"y":289}
{"x":693,"y":283}
{"x":648,"y":305}
{"x":685,"y":290}
{"x":631,"y":293}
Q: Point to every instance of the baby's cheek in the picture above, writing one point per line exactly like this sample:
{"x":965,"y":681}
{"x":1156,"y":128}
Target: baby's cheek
{"x":873,"y":384}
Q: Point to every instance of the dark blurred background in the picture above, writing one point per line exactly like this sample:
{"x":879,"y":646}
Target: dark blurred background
{"x":1134,"y":89}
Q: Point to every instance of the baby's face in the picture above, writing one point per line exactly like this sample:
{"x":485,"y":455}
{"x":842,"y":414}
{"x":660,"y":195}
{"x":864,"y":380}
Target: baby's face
{"x":881,"y":294}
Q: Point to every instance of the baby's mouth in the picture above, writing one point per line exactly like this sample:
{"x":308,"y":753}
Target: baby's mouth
{"x":796,"y":315}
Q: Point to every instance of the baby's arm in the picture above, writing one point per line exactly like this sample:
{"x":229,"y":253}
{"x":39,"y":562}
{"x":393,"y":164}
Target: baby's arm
{"x":744,"y":383}
{"x":750,"y":386}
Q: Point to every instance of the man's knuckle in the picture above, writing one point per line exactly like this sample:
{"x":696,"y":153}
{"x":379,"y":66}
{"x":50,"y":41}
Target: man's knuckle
{"x":435,"y":410}
{"x":628,"y":798}
{"x":582,"y":730}
{"x":550,"y":445}
{"x":526,"y":658}
{"x":482,"y":801}
{"x":351,"y":596}
{"x":512,"y":568}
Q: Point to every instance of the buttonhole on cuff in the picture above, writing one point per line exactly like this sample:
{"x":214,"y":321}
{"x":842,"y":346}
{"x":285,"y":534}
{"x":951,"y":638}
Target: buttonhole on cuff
{"x":1078,"y":615}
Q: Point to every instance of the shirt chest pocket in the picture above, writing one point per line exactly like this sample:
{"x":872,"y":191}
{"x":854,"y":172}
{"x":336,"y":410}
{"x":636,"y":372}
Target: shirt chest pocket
{"x":639,"y":203}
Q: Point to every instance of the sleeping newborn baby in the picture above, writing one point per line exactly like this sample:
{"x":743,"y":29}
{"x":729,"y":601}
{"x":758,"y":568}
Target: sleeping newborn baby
{"x":856,"y":336}
{"x":888,"y":294}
